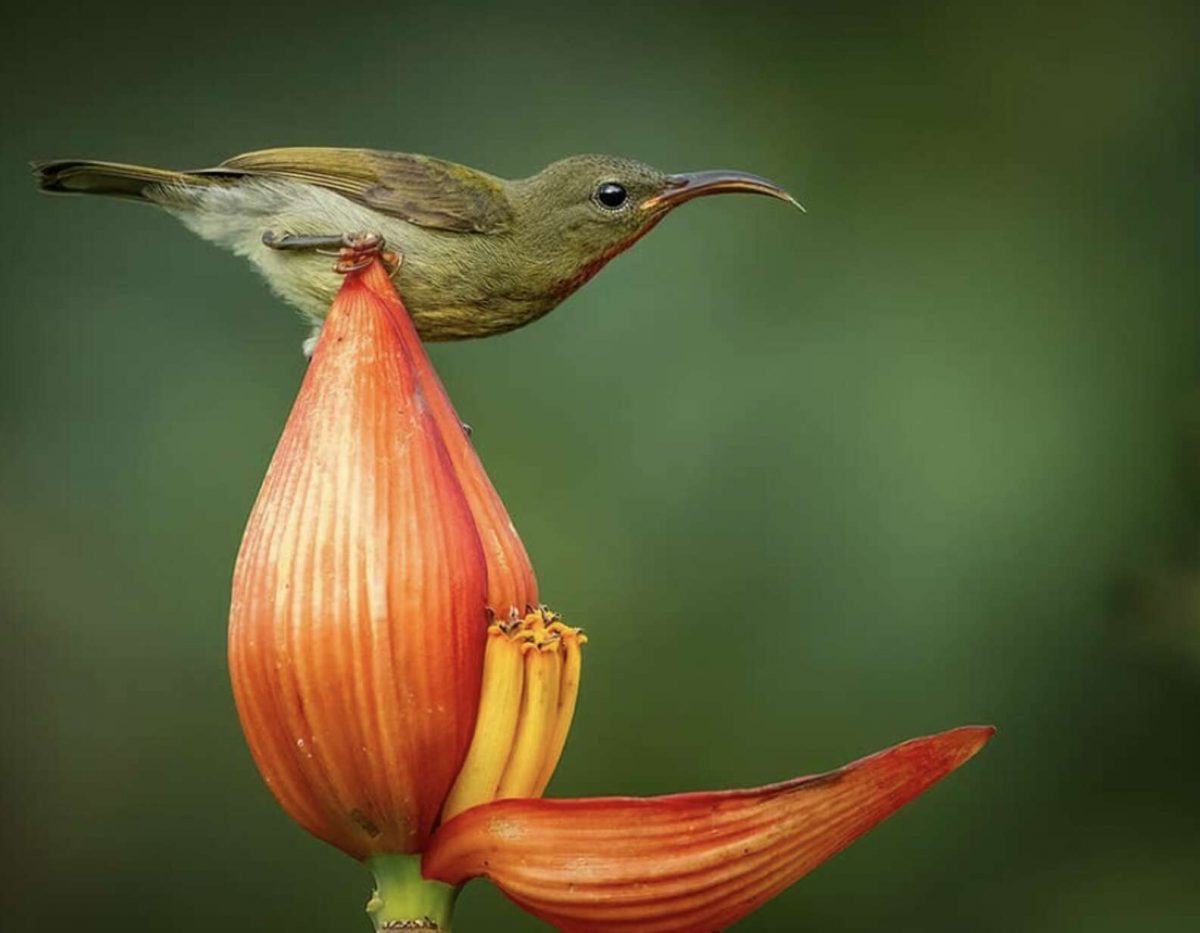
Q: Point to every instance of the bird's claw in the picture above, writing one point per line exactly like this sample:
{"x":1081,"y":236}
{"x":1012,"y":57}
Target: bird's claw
{"x":354,"y":251}
{"x":359,"y":250}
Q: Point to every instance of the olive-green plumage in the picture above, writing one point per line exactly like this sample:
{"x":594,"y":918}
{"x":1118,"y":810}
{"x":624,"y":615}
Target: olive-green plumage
{"x":480,"y":255}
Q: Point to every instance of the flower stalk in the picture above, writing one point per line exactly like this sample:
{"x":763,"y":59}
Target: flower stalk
{"x":403,"y":900}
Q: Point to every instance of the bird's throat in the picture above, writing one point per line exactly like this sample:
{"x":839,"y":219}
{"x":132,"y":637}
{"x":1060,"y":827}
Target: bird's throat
{"x":584,"y":274}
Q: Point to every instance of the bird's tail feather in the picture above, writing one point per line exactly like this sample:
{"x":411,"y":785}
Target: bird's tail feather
{"x":82,"y":176}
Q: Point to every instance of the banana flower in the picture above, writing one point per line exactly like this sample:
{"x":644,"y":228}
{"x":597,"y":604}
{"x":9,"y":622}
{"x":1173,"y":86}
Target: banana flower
{"x":406,"y":695}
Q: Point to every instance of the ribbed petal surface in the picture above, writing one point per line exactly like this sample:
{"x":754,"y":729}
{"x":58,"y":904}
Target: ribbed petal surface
{"x":358,"y":621}
{"x":688,"y":863}
{"x":511,"y":582}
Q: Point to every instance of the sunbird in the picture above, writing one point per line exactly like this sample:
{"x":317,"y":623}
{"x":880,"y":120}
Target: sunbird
{"x":477,"y":254}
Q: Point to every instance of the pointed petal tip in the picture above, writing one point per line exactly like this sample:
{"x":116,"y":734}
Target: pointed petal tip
{"x":970,"y":740}
{"x":932,"y":755}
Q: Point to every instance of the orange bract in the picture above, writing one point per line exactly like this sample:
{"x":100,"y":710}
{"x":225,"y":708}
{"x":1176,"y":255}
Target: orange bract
{"x":686,"y":863}
{"x":360,"y":597}
{"x":511,"y":582}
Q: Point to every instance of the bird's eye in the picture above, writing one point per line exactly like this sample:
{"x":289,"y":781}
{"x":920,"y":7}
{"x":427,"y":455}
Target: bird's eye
{"x":610,"y":195}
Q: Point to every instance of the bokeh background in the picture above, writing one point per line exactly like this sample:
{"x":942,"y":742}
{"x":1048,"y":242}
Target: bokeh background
{"x":814,"y":484}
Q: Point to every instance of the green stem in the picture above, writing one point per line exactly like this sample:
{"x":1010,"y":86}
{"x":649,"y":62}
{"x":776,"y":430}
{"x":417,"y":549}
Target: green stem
{"x":404,"y":901}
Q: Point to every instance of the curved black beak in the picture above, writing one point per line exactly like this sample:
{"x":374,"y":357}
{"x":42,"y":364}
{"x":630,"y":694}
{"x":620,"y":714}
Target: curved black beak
{"x":688,"y":185}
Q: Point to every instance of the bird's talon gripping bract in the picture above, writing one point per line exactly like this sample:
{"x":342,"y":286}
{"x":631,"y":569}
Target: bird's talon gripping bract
{"x":359,"y":250}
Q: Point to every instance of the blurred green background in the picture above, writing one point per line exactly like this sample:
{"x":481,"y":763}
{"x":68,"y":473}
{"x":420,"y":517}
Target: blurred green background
{"x":814,"y":484}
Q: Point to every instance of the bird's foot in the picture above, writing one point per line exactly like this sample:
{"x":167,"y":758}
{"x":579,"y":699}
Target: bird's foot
{"x":354,"y":251}
{"x":359,"y":250}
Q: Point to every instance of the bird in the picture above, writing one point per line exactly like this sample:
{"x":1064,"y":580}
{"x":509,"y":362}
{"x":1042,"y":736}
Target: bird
{"x":477,"y":254}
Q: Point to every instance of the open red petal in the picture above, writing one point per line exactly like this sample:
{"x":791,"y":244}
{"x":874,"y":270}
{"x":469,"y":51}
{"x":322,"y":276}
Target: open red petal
{"x":685,"y":863}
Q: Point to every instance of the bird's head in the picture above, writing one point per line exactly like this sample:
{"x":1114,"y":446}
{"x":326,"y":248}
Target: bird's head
{"x":584,"y":210}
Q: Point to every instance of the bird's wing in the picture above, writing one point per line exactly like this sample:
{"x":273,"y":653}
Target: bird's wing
{"x":422,"y":190}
